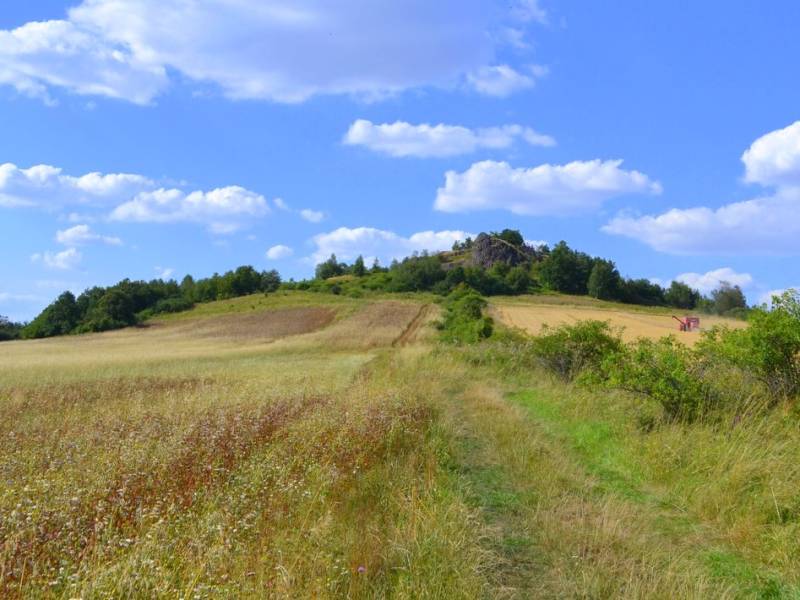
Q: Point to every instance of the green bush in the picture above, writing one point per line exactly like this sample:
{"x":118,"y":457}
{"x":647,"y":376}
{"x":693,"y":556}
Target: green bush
{"x":769,"y":347}
{"x":570,"y":350}
{"x":464,"y":321}
{"x":667,"y":372}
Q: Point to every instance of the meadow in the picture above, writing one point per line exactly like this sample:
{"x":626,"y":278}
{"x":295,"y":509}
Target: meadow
{"x":305,"y":445}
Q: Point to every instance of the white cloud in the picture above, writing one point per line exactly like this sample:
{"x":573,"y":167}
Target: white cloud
{"x":372,"y":243}
{"x":41,"y":55}
{"x":404,"y":139}
{"x":544,"y":190}
{"x":312,"y":216}
{"x":530,"y":10}
{"x":133,"y":198}
{"x":224,"y":210}
{"x":307,"y":214}
{"x":768,"y":224}
{"x":774,"y":158}
{"x":502,"y":80}
{"x":710,"y":281}
{"x":48,"y":186}
{"x":83,"y":234}
{"x":263,"y":49}
{"x":64,"y":260}
{"x":9,"y":297}
{"x":279,"y":252}
{"x":164,"y":273}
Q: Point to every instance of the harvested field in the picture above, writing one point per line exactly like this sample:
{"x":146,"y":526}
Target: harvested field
{"x":265,"y":325}
{"x":635,"y":323}
{"x":375,"y":325}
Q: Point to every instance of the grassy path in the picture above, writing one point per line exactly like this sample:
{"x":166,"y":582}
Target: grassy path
{"x":568,"y":513}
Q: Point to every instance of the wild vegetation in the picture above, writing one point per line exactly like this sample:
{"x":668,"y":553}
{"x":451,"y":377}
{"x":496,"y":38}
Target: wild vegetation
{"x":9,"y":330}
{"x":370,"y":444}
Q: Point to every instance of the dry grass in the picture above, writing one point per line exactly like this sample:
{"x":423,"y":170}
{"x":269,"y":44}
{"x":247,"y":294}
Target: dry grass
{"x":284,"y":448}
{"x":531,"y":317}
{"x":190,"y":459}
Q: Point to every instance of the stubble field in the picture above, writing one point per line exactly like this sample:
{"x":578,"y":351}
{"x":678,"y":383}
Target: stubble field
{"x":532,"y":313}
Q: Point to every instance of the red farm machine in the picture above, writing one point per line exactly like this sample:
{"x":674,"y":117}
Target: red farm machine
{"x":688,"y":323}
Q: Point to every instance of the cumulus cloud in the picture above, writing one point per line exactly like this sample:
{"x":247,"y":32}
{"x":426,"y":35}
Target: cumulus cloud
{"x":224,"y":209}
{"x":710,"y":281}
{"x":279,"y":252}
{"x":49,"y":186}
{"x":347,"y":243}
{"x":263,"y":49}
{"x":774,"y":158}
{"x":64,"y":260}
{"x":768,"y":224}
{"x":83,"y":234}
{"x":402,"y":139}
{"x":128,"y":197}
{"x":544,"y":190}
{"x":41,"y":55}
{"x":312,"y":216}
{"x":502,"y":80}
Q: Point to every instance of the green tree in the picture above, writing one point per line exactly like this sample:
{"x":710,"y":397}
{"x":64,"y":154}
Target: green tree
{"x":518,"y":280}
{"x":270,"y":281}
{"x":187,"y":287}
{"x":60,"y":318}
{"x":329,"y":268}
{"x":681,"y":295}
{"x":565,"y":270}
{"x":727,"y":298}
{"x":8,"y":329}
{"x":510,"y":236}
{"x":642,"y":291}
{"x":604,"y":280}
{"x":359,"y":270}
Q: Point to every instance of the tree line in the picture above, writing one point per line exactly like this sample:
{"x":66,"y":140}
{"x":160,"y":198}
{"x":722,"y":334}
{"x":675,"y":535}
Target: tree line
{"x":130,"y":302}
{"x":499,"y":263}
{"x":560,"y":269}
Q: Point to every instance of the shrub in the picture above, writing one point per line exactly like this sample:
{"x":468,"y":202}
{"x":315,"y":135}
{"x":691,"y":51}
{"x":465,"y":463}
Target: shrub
{"x":570,"y":350}
{"x":464,"y":321}
{"x":167,"y":305}
{"x":669,"y":373}
{"x":769,"y":347}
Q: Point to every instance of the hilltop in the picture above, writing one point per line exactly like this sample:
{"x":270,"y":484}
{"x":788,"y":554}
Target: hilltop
{"x":498,"y":263}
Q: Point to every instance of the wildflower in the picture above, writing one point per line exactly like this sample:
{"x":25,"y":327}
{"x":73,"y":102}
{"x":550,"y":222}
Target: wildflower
{"x":361,"y":569}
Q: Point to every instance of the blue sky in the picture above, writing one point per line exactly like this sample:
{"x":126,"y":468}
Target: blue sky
{"x":139,"y":138}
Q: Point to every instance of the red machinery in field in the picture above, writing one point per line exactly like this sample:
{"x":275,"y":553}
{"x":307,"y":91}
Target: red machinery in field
{"x":688,"y":323}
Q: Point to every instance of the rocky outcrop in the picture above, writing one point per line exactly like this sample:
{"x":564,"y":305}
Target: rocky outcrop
{"x":488,"y":250}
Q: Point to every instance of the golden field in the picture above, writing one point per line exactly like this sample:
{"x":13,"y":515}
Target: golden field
{"x":531,"y":313}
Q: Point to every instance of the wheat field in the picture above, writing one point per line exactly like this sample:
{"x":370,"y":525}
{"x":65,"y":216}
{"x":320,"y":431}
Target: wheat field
{"x":531,"y":314}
